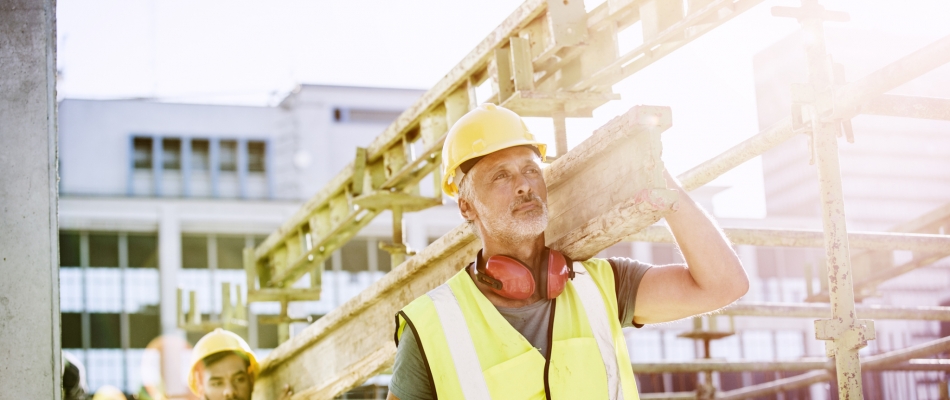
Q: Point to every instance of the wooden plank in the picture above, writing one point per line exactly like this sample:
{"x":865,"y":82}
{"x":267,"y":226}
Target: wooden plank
{"x":665,"y":42}
{"x":475,"y":60}
{"x":525,"y":19}
{"x":354,"y":342}
{"x":909,"y":107}
{"x":521,"y":61}
{"x":540,"y":104}
{"x":568,"y":22}
{"x":658,"y":15}
{"x":504,"y":84}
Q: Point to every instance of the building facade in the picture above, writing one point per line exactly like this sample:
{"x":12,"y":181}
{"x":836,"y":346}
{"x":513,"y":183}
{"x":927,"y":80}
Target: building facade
{"x":155,"y":197}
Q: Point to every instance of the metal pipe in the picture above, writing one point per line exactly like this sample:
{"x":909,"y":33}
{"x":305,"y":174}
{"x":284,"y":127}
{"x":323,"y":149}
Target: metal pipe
{"x":779,"y":385}
{"x":843,"y":329}
{"x":879,"y":361}
{"x":703,"y":365}
{"x":668,"y":396}
{"x":706,"y":365}
{"x":908,"y":107}
{"x":921,"y":350}
{"x":850,"y":98}
{"x":883,"y":241}
{"x":823,"y":311}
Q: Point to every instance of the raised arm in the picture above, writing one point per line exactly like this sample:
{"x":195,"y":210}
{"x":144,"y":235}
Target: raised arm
{"x":712,"y":277}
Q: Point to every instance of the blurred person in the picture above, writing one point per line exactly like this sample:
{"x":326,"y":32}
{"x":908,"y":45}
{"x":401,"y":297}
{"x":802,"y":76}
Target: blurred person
{"x":224,"y":367}
{"x":108,"y":392}
{"x":74,"y":378}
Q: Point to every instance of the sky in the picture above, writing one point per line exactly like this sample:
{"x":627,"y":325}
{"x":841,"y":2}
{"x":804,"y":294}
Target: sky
{"x":255,"y":52}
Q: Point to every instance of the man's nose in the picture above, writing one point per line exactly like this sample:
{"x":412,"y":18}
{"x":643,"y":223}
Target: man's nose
{"x":229,"y":392}
{"x":523,"y":185}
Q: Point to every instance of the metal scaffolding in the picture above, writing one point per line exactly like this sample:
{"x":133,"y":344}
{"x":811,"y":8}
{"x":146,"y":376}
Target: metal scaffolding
{"x":552,"y":59}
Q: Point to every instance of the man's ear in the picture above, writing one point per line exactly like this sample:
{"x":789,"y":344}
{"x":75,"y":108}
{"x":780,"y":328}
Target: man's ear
{"x":199,"y":381}
{"x":467,"y":210}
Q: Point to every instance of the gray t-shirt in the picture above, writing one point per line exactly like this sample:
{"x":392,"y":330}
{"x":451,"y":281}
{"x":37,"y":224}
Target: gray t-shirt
{"x":411,"y":380}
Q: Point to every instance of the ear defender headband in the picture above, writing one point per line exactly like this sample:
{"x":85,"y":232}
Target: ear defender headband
{"x":512,"y":279}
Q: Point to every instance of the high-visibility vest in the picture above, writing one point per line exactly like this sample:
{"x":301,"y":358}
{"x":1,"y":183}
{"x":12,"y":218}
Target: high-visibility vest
{"x":472,"y":352}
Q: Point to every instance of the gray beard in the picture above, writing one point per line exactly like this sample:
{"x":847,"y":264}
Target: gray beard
{"x":513,"y":229}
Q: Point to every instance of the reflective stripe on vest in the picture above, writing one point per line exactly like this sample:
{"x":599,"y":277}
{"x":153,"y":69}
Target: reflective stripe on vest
{"x":461,"y":346}
{"x":597,"y":317}
{"x":588,"y":353}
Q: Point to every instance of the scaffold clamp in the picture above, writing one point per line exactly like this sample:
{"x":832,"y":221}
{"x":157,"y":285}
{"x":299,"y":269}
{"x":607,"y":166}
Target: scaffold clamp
{"x":852,"y":337}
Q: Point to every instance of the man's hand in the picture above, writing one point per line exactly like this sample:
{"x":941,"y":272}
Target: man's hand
{"x":712,"y":277}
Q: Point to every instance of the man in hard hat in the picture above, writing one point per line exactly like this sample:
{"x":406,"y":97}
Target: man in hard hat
{"x":522,"y":321}
{"x":107,"y":392}
{"x":223,"y":367}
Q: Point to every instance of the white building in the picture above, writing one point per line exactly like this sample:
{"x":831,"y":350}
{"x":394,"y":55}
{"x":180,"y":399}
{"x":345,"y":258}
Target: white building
{"x":157,"y":196}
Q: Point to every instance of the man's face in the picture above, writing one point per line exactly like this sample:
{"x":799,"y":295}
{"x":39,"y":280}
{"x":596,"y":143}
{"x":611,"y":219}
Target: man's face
{"x":227,"y":379}
{"x":509,"y":201}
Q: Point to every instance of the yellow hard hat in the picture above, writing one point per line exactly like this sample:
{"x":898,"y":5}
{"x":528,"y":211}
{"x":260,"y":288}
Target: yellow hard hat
{"x":215,"y":342}
{"x":482,"y":131}
{"x":107,"y":392}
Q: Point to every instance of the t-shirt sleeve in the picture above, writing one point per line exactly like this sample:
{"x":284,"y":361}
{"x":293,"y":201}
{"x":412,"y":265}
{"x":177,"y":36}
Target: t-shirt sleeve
{"x":410,"y":380}
{"x":627,"y":275}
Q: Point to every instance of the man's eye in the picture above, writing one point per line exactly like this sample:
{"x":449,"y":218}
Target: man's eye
{"x":501,"y":176}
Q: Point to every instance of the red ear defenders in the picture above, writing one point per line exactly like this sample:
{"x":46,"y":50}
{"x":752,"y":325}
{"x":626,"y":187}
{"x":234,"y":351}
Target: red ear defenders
{"x":512,"y":279}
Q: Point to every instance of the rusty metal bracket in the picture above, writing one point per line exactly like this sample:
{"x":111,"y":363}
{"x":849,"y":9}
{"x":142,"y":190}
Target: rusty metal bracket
{"x":850,"y":337}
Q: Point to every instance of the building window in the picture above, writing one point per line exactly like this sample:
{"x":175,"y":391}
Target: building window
{"x":109,"y":312}
{"x":143,"y":327}
{"x":256,"y":156}
{"x":143,"y":250}
{"x":369,"y":116}
{"x":142,"y":152}
{"x":228,"y":155}
{"x":384,"y":260}
{"x":200,"y":155}
{"x":69,"y":249}
{"x":104,"y":250}
{"x":171,"y":154}
{"x":71,"y":331}
{"x":231,"y":252}
{"x":194,"y":252}
{"x":355,"y":255}
{"x":104,"y":331}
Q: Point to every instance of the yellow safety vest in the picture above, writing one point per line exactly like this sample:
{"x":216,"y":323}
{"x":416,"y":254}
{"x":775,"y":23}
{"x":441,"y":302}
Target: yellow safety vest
{"x":472,"y":352}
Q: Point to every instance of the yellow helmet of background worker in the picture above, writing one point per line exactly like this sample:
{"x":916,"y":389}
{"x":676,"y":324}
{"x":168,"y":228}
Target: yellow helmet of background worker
{"x":215,"y":342}
{"x":107,"y":392}
{"x":480,"y":132}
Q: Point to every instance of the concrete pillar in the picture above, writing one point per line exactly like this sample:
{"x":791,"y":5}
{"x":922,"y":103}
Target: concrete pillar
{"x":169,"y":262}
{"x":29,"y":232}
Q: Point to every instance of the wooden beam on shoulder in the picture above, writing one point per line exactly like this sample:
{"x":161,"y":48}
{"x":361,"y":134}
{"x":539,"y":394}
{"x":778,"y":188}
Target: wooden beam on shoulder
{"x":602,"y":191}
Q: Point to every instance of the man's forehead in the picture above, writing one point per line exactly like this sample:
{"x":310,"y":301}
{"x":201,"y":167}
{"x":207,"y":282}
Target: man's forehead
{"x":227,"y":367}
{"x":517,"y":154}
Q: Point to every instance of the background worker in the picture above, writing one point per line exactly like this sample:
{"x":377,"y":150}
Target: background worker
{"x":224,"y":367}
{"x":108,"y":392}
{"x":522,"y":321}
